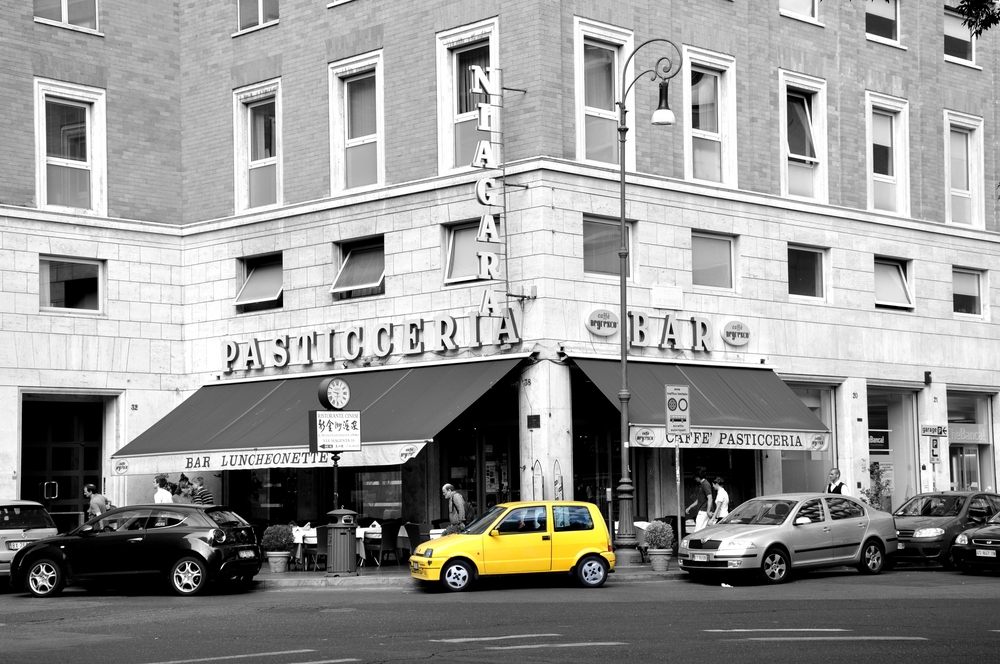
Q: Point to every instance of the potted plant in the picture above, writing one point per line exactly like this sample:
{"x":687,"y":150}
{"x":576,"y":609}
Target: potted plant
{"x":277,"y":543}
{"x":660,"y":540}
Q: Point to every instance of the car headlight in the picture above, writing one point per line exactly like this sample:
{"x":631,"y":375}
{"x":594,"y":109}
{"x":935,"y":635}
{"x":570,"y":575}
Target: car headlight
{"x":731,"y":545}
{"x":685,"y":542}
{"x":962,"y":539}
{"x":928,"y":532}
{"x":428,"y":553}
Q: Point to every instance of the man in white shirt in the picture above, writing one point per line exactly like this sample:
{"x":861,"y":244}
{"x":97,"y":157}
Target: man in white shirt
{"x":835,"y":485}
{"x":162,"y":495}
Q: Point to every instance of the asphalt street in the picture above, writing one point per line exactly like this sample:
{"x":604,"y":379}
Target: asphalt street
{"x":910,"y":615}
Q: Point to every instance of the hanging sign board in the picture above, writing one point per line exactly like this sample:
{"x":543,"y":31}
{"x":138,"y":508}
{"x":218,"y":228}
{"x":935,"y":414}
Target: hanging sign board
{"x":334,"y":430}
{"x":678,"y":409}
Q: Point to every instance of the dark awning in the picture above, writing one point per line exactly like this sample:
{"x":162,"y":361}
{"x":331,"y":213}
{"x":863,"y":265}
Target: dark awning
{"x":242,"y":423}
{"x":752,"y":405}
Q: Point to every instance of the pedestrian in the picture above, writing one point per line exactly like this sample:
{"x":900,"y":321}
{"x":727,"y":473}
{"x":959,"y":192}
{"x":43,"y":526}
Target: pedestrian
{"x":702,"y":500}
{"x":835,"y":485}
{"x":162,"y":494}
{"x":98,"y":503}
{"x":199,"y":496}
{"x":456,"y":508}
{"x":721,"y":501}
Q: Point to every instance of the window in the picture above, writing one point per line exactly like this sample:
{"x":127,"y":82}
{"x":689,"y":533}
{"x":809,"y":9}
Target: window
{"x":967,"y":292}
{"x":357,"y":151}
{"x":709,"y":117}
{"x":165,"y":519}
{"x":597,"y":57}
{"x":842,"y":508}
{"x":263,"y":285}
{"x":571,"y":518}
{"x":964,"y":169}
{"x":888,"y":153}
{"x":812,"y":510}
{"x":958,"y":43}
{"x":523,"y":520}
{"x":458,"y":106}
{"x":712,"y":260}
{"x":71,"y":147}
{"x":882,"y":19}
{"x":805,"y":272}
{"x":258,"y":146}
{"x":257,"y":13}
{"x":891,"y":286}
{"x":798,"y":7}
{"x":70,"y":284}
{"x":362,"y":269}
{"x":803,"y":136}
{"x":601,"y":242}
{"x":463,"y":263}
{"x":75,"y":13}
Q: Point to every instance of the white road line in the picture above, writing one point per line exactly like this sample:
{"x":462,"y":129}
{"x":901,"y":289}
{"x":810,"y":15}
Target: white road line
{"x":492,"y":638}
{"x":835,"y":638}
{"x":327,"y":661}
{"x":765,"y":629}
{"x":218,"y":659}
{"x":559,"y":645}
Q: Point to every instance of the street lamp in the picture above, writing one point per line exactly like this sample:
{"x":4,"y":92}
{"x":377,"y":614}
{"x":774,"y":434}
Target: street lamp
{"x":664,"y":70}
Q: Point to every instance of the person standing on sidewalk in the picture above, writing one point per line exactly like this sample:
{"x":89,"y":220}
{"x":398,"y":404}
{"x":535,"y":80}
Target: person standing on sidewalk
{"x":703,"y":499}
{"x":200,"y":496}
{"x":456,"y":508}
{"x":98,"y":503}
{"x":721,"y":501}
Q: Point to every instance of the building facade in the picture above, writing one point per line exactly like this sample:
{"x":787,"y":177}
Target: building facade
{"x":207,"y":210}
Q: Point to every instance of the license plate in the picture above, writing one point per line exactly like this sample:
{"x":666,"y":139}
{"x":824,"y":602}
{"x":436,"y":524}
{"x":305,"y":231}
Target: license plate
{"x":246,"y":554}
{"x":986,"y":553}
{"x":901,"y":546}
{"x":701,"y":557}
{"x":416,"y":565}
{"x":14,"y":546}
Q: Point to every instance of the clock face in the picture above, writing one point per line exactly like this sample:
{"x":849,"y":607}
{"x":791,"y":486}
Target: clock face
{"x":338,"y":393}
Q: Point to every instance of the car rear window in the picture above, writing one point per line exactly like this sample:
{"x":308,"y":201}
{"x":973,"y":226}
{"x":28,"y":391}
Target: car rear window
{"x":24,"y":518}
{"x":225,"y":518}
{"x":571,"y":517}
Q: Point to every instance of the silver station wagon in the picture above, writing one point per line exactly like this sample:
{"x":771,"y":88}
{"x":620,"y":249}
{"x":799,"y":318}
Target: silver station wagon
{"x":774,"y":535}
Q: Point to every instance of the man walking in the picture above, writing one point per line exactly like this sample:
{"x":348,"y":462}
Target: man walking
{"x":703,"y":499}
{"x":456,"y":507}
{"x":98,"y":503}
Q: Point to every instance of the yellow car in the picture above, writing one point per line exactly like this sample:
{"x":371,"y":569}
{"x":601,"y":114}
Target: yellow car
{"x":521,"y":538}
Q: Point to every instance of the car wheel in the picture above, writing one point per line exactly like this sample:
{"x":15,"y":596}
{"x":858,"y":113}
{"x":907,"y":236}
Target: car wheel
{"x":45,"y":578}
{"x":592,"y":572}
{"x":456,"y":575}
{"x":872,"y":558}
{"x":776,"y":566}
{"x":188,"y":576}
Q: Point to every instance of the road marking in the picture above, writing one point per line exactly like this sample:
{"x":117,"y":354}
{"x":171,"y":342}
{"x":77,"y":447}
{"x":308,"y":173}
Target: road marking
{"x":559,"y":645}
{"x":836,"y":638}
{"x":328,"y":661}
{"x":256,"y":654}
{"x":765,"y":629}
{"x":492,"y":638}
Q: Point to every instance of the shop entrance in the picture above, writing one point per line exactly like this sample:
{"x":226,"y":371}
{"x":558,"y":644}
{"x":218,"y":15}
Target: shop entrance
{"x":964,"y":467}
{"x":892,"y":443}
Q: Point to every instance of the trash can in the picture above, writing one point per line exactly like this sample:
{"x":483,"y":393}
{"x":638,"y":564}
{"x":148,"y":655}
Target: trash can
{"x":341,"y":550}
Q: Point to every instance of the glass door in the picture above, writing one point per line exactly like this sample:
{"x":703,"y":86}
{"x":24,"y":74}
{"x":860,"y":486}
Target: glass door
{"x":964,"y":468}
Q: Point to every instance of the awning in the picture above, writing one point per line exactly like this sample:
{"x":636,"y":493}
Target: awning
{"x":263,"y":424}
{"x":731,"y":407}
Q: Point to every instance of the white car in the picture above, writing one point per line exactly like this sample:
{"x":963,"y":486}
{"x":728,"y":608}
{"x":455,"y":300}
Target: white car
{"x":21,"y":522}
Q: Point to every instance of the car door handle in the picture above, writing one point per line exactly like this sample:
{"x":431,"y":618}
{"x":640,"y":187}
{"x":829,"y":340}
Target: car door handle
{"x":826,"y":529}
{"x":862,"y":525}
{"x":545,"y":538}
{"x":135,"y":539}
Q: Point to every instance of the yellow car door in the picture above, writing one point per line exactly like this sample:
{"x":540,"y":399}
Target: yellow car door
{"x":521,"y":542}
{"x":573,"y":532}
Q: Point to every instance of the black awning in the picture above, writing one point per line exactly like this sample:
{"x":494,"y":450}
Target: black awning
{"x":721,"y":397}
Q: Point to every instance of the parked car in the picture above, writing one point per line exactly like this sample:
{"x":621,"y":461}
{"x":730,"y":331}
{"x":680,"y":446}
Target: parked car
{"x":774,"y":535}
{"x":929,"y":522}
{"x":521,"y":538}
{"x":977,"y":548}
{"x":186,"y":545}
{"x":21,"y":522}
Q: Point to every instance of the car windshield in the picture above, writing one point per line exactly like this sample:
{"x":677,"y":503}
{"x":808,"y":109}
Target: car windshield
{"x":761,"y":512}
{"x":226,"y":518}
{"x":482,"y":524}
{"x":24,"y":517}
{"x":931,"y":505}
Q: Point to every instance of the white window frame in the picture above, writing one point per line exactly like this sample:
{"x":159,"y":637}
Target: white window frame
{"x":904,"y":271}
{"x":810,"y":18}
{"x":973,"y":127}
{"x":64,"y":23}
{"x":981,"y":276}
{"x":243,"y":99}
{"x":629,"y":238}
{"x":815,"y":89}
{"x":341,"y":73}
{"x":260,"y":16}
{"x":62,"y":311}
{"x":723,"y":66}
{"x":94,"y":99}
{"x":732,"y":261}
{"x":824,"y":273}
{"x":949,"y":12}
{"x":623,"y":42}
{"x":447,"y":43}
{"x":885,"y":40}
{"x":346,"y":249}
{"x":900,"y":110}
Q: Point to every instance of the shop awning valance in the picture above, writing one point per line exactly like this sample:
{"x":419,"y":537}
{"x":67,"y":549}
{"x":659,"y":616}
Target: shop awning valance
{"x":258,"y":424}
{"x":731,"y":407}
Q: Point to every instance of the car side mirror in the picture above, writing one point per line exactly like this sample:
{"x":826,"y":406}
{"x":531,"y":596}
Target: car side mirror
{"x":494,"y":533}
{"x":86,"y":530}
{"x":802,"y":520}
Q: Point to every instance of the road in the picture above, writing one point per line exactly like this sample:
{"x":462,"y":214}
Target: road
{"x":910,"y":615}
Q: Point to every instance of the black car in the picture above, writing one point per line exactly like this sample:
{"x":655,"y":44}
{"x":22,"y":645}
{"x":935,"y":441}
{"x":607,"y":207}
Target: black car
{"x":188,"y":545}
{"x":978,"y":548}
{"x":929,"y":522}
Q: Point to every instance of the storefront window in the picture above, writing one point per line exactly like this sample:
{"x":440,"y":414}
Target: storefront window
{"x":970,"y":441}
{"x":379,"y":494}
{"x":807,"y":471}
{"x":892,"y":443}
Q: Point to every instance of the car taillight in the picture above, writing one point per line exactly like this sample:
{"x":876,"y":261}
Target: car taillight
{"x":218,"y":536}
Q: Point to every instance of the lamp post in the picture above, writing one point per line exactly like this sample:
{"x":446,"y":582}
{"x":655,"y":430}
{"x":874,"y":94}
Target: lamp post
{"x":664,"y":69}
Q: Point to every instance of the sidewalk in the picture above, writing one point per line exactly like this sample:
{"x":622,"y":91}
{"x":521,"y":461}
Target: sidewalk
{"x":394,"y":575}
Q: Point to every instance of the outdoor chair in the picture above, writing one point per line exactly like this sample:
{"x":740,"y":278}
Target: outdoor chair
{"x":386,"y":544}
{"x":319,"y":550}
